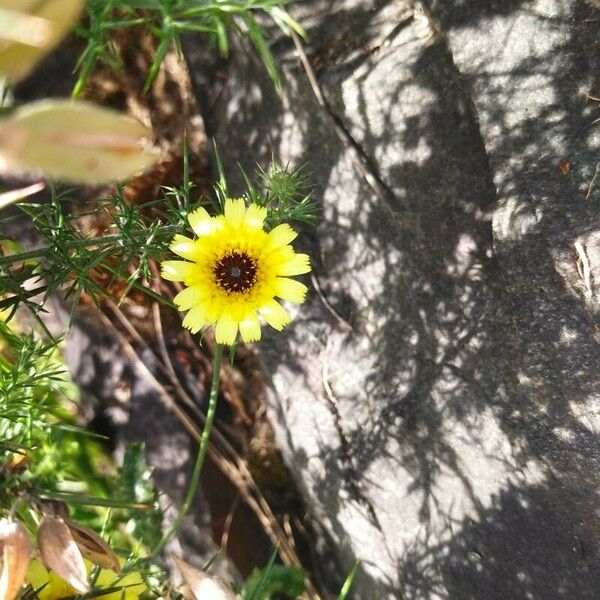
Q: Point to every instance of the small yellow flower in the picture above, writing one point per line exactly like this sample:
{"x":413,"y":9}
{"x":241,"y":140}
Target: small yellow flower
{"x":234,"y":270}
{"x":53,"y":587}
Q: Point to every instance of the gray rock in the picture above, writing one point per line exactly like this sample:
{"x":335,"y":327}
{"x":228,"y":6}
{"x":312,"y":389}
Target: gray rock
{"x":437,"y":399}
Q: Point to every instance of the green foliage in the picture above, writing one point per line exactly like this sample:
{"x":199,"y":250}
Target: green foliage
{"x":61,"y":461}
{"x":169,"y":19}
{"x":44,"y":455}
{"x":284,"y":191}
{"x":287,"y":194}
{"x":72,"y":261}
{"x":348,"y":583}
{"x":32,"y":383}
{"x":274,"y":581}
{"x":136,"y":485}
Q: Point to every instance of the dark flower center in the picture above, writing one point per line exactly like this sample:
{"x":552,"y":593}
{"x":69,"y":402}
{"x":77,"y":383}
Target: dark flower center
{"x":235,"y":272}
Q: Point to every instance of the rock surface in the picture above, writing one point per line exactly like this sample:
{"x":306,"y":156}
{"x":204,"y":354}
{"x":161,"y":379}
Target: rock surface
{"x":437,"y":396}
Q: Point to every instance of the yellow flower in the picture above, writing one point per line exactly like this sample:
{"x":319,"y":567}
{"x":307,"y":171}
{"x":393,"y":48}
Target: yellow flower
{"x":234,"y":270}
{"x":53,"y":587}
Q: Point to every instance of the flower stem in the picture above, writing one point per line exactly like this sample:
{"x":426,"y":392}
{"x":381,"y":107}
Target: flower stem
{"x":76,"y":244}
{"x":202,"y":449}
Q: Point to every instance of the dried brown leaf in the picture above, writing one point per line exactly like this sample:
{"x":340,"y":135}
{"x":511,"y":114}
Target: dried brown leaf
{"x":60,"y":552}
{"x":93,"y":547}
{"x":73,"y":141}
{"x":16,"y":552}
{"x":201,"y":585}
{"x":30,"y":29}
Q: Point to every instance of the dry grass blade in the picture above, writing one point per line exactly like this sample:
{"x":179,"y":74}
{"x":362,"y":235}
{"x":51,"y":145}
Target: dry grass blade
{"x":8,"y":198}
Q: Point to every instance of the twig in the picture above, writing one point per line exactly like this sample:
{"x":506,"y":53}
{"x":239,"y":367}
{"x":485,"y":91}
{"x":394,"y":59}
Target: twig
{"x":586,"y":272}
{"x":228,"y":521}
{"x":327,"y":385}
{"x":8,"y":198}
{"x":161,"y":340}
{"x":589,"y":193}
{"x":360,"y":159}
{"x":328,"y":305}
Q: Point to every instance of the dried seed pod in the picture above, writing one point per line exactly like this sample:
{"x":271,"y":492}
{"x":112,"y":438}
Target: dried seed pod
{"x":16,"y":552}
{"x":19,"y":459}
{"x":54,"y":508}
{"x":60,"y":552}
{"x":93,"y":547}
{"x":74,"y":141}
{"x":29,"y":29}
{"x":201,"y":585}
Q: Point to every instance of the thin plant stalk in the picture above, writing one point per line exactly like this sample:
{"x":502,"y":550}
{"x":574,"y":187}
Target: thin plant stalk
{"x":202,"y":449}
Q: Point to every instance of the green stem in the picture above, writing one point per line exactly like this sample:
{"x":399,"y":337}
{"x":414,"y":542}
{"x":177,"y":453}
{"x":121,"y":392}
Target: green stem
{"x":203,"y":448}
{"x":75,"y":244}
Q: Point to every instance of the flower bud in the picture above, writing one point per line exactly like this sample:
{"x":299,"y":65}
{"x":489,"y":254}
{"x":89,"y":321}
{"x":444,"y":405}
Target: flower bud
{"x":60,"y":552}
{"x":29,"y":29}
{"x":201,"y":585}
{"x":16,"y":551}
{"x":74,"y":141}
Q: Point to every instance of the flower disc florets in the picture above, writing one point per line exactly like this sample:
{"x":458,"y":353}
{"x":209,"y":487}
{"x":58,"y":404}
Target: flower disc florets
{"x":234,"y":270}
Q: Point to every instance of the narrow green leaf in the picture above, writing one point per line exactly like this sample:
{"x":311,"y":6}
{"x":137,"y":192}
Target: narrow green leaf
{"x":161,"y":52}
{"x":222,"y":40}
{"x":348,"y":583}
{"x":90,"y":500}
{"x":258,"y":39}
{"x":255,"y":594}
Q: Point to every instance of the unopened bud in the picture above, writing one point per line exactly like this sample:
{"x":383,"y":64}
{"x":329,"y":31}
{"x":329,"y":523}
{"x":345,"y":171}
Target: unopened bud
{"x":16,"y":551}
{"x":30,"y":29}
{"x":60,"y":552}
{"x":202,"y":586}
{"x":74,"y":141}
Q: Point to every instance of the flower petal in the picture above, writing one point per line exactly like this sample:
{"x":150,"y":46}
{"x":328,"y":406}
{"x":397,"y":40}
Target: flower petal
{"x":275,"y":315}
{"x":280,"y":236}
{"x":250,"y":328}
{"x":295,"y":265}
{"x":184,"y":247}
{"x":201,"y":221}
{"x":290,"y":289}
{"x":214,"y":309}
{"x":255,"y":216}
{"x":191,"y":296}
{"x":235,"y":210}
{"x":176,"y":270}
{"x":226,"y":330}
{"x":195,"y":319}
